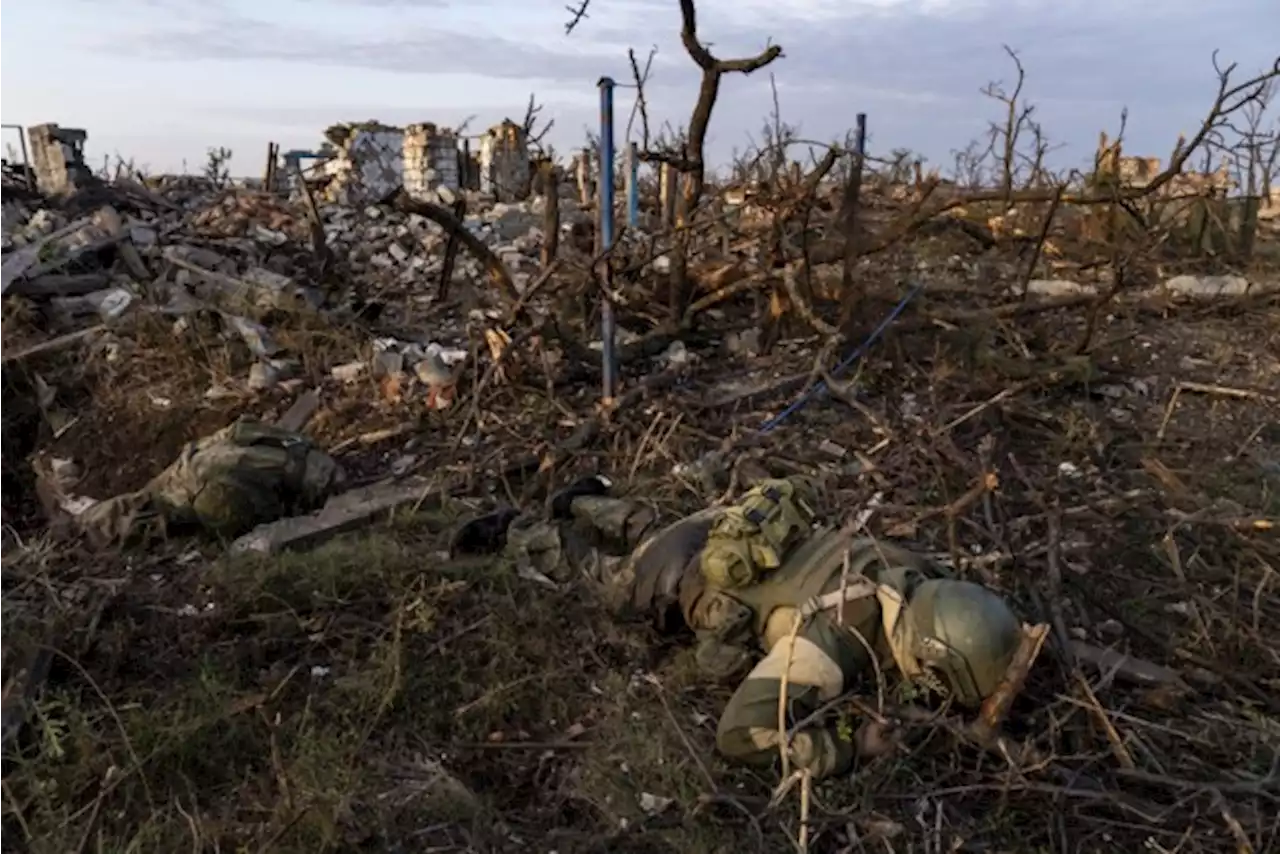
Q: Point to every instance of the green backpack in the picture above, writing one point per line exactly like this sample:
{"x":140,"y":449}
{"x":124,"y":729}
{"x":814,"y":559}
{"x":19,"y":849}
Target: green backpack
{"x":756,"y":535}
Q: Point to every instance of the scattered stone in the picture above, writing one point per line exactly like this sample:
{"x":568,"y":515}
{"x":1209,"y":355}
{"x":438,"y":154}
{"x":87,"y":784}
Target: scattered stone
{"x":1207,"y":286}
{"x":745,"y":343}
{"x":654,"y":804}
{"x":677,"y":355}
{"x":1058,"y":287}
{"x":350,"y":372}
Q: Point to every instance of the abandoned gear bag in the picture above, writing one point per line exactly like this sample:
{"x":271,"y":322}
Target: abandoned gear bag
{"x":756,"y":535}
{"x":228,"y":482}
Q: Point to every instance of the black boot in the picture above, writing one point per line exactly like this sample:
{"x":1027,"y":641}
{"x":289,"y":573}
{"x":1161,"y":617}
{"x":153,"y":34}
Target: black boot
{"x":483,"y":535}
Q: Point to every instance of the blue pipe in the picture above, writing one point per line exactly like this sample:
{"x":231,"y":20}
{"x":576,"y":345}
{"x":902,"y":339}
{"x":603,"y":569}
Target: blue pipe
{"x":633,"y":186}
{"x":607,"y":321}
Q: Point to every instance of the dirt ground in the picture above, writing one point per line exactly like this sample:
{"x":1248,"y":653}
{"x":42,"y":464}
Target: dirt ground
{"x":333,"y":700}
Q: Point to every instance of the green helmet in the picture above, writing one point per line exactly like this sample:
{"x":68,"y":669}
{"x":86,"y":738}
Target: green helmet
{"x":964,"y":633}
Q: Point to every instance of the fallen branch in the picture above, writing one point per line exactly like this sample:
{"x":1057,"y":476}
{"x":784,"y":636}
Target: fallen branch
{"x":444,"y":218}
{"x":996,"y":707}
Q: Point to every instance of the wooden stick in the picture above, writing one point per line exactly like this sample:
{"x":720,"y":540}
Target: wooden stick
{"x":996,"y":707}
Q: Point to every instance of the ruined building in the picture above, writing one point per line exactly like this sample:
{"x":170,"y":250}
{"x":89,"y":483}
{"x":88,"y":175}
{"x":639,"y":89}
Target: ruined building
{"x":430,"y":160}
{"x":57,"y":158}
{"x":368,"y":165}
{"x":371,"y":161}
{"x":1133,"y":171}
{"x":504,"y":162}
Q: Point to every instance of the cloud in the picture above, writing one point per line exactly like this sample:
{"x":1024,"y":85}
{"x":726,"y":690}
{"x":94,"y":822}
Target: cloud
{"x":416,"y":51}
{"x":915,"y":66}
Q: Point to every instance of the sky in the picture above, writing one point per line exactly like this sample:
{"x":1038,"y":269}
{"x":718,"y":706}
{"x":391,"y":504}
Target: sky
{"x":161,"y":81}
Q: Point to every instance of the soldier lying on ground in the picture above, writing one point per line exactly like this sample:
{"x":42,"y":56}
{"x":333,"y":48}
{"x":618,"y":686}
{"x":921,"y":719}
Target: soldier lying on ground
{"x":819,"y":601}
{"x":226,"y":483}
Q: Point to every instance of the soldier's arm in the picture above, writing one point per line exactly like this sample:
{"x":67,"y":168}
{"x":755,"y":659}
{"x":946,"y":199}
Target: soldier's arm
{"x":748,"y":729}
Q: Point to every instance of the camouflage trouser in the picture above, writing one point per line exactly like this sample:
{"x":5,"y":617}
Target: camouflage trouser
{"x":595,"y":544}
{"x":818,"y":664}
{"x":226,"y":483}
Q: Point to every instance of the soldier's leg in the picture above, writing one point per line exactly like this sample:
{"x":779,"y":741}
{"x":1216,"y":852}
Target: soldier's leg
{"x":122,"y":520}
{"x":621,"y":524}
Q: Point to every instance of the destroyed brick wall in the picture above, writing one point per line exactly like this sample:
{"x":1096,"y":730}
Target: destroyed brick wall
{"x":57,"y":157}
{"x":368,"y":165}
{"x":1134,"y":171}
{"x":504,"y":162}
{"x":430,"y":160}
{"x":1138,"y":171}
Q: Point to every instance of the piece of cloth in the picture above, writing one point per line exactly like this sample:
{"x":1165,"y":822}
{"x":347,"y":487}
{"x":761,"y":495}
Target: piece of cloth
{"x":226,"y":483}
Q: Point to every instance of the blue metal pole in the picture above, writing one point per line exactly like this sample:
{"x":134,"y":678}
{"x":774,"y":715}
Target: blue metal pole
{"x":607,"y":320}
{"x":861,"y":139}
{"x":633,"y":186}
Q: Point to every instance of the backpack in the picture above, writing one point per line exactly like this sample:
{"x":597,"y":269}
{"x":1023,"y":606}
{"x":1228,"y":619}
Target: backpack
{"x":756,"y":535}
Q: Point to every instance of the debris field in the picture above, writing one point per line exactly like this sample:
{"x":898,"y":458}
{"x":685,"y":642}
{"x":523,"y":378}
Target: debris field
{"x":1065,"y":387}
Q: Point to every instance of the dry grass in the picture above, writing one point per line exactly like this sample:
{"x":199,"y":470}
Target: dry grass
{"x":1109,"y":464}
{"x":300,"y":703}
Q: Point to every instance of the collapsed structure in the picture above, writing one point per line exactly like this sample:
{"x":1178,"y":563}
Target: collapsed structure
{"x":1140,"y":171}
{"x":431,"y":160}
{"x":504,"y":162}
{"x":57,"y":158}
{"x":371,"y":160}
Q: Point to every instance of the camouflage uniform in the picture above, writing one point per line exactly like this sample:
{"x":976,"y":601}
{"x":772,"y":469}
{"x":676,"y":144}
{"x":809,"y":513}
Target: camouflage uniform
{"x":853,"y":598}
{"x":226,"y":483}
{"x":591,"y":541}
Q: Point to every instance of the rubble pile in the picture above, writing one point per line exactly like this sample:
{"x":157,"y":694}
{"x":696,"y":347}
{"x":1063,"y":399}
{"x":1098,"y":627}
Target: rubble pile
{"x":246,"y":213}
{"x":983,"y":381}
{"x":239,"y":269}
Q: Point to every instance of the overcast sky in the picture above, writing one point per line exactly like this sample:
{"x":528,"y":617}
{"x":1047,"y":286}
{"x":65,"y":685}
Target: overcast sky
{"x":162,"y":80}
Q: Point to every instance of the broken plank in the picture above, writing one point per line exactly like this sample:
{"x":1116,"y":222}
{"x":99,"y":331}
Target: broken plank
{"x":301,"y":411}
{"x":132,"y":260}
{"x":61,"y":285}
{"x":60,"y":343}
{"x":21,"y":261}
{"x":343,"y":513}
{"x":1134,"y":669}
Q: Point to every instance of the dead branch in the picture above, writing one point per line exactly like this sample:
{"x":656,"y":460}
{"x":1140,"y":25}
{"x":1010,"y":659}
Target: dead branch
{"x":641,"y":106}
{"x":692,"y":161}
{"x":532,"y":135}
{"x":445,"y":218}
{"x":848,"y":219}
{"x":451,"y":251}
{"x":578,"y":12}
{"x":996,"y":707}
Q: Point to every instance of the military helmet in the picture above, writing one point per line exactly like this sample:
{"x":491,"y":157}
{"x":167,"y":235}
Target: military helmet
{"x":964,"y":633}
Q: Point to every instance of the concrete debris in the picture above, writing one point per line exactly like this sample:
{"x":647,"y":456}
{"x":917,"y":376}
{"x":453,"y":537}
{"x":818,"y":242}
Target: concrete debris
{"x":1058,"y":287}
{"x":1208,"y":286}
{"x":1196,"y":287}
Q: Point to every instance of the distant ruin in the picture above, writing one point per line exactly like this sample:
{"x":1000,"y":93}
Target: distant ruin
{"x":371,"y":160}
{"x":57,"y":158}
{"x":1140,"y":171}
